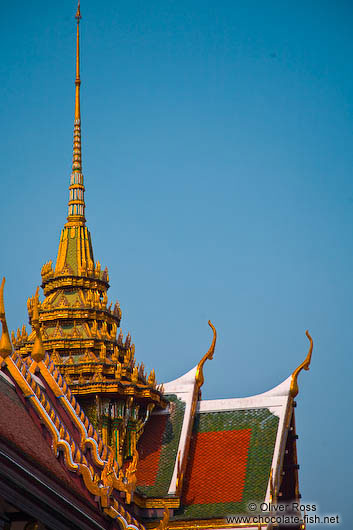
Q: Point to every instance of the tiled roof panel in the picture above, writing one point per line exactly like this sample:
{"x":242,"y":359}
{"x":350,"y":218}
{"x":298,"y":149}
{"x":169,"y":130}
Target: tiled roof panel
{"x":158,"y":448}
{"x":25,"y":437}
{"x":150,"y":450}
{"x":229,"y":462}
{"x":232,"y":449}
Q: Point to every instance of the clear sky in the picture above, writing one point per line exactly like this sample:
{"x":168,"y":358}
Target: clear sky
{"x":217,"y":156}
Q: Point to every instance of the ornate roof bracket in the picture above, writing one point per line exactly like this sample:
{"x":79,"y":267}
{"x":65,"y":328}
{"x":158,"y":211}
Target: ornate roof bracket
{"x":197,"y":383}
{"x":304,"y":365}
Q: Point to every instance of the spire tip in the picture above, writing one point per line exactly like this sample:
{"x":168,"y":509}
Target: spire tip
{"x":78,"y":12}
{"x":76,"y":214}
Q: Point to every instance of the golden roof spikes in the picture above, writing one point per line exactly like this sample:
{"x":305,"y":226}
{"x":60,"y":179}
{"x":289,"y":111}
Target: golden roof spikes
{"x":5,"y":343}
{"x":76,"y":215}
{"x":38,"y":349}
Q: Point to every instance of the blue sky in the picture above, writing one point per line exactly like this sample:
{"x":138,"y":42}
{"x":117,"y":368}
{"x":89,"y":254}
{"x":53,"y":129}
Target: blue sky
{"x":217,"y":156}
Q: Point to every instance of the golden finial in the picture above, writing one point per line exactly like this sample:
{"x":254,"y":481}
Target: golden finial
{"x":209,"y":355}
{"x":78,"y":12}
{"x":38,"y":349}
{"x":304,"y":365}
{"x":76,"y":216}
{"x":5,"y":343}
{"x":77,"y":80}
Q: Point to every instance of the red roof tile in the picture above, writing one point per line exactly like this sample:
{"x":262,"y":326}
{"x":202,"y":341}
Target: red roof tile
{"x":149,"y":449}
{"x":208,"y":480}
{"x":26,"y":438}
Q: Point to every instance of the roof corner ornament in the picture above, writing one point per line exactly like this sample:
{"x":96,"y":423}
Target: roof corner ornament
{"x":304,"y":365}
{"x":38,"y":353}
{"x":164,"y":522}
{"x":199,"y":377}
{"x":5,"y":342}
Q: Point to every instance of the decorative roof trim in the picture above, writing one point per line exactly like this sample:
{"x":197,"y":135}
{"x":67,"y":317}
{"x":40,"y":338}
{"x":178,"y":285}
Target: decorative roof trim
{"x":122,"y":516}
{"x":7,"y":379}
{"x":278,"y":453}
{"x":89,"y":436}
{"x":185,"y":383}
{"x":190,"y":400}
{"x":275,"y":397}
{"x":187,"y":388}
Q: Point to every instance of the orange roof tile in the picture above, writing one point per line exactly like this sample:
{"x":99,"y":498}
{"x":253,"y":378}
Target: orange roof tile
{"x":150,"y":450}
{"x":208,"y":480}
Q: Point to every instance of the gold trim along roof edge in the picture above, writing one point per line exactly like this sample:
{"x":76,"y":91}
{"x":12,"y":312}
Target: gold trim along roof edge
{"x":156,"y":502}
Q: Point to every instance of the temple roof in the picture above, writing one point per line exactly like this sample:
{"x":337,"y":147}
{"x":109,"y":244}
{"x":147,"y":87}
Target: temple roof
{"x":233,"y":449}
{"x":43,"y":422}
{"x":52,"y":433}
{"x":234,"y":446}
{"x":158,"y":449}
{"x":24,"y":437}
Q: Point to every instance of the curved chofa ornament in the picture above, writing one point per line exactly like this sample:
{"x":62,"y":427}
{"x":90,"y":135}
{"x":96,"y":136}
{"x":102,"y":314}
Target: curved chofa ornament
{"x":304,"y":365}
{"x":5,"y":343}
{"x":209,"y":355}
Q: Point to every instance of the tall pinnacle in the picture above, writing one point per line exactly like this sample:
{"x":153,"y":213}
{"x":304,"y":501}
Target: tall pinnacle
{"x":76,"y":216}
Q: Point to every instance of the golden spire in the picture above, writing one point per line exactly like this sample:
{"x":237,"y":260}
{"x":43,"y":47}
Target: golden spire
{"x":76,"y":216}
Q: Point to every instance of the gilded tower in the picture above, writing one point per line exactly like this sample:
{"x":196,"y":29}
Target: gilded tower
{"x":80,"y":328}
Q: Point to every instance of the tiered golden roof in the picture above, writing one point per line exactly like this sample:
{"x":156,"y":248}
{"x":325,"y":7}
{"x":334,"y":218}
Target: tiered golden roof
{"x":79,"y":328}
